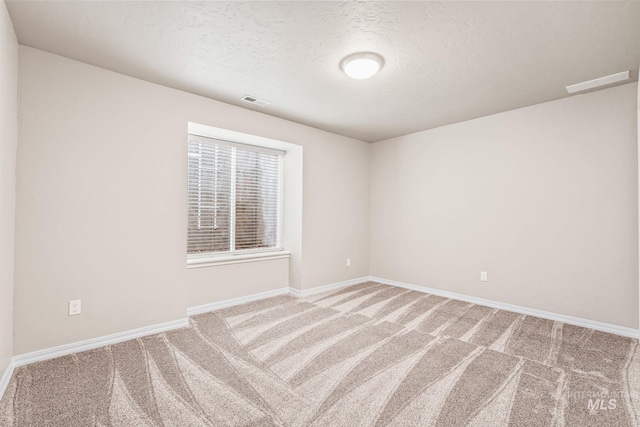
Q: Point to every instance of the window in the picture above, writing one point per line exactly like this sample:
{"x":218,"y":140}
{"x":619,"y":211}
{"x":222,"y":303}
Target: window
{"x":234,"y":198}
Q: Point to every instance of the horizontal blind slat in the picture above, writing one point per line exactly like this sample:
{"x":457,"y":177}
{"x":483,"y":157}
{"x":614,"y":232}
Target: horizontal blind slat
{"x":210,"y":199}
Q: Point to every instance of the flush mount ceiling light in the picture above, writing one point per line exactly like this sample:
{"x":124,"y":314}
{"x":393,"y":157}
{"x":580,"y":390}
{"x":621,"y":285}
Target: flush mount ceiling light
{"x":602,"y":81}
{"x":361,"y":65}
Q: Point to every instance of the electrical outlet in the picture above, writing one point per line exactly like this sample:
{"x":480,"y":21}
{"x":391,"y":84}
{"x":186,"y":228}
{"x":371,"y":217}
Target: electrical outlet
{"x":348,"y":262}
{"x":75,"y":307}
{"x":483,"y":276}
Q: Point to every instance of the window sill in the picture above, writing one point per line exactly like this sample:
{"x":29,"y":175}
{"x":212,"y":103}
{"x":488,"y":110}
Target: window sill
{"x":235,"y":259}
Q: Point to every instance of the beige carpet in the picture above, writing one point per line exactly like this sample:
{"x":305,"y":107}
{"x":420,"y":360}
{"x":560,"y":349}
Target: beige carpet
{"x":369,"y":355}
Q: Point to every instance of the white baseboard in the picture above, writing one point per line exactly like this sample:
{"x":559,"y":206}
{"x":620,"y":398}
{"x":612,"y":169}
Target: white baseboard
{"x":586,"y":323}
{"x":76,"y":347}
{"x":192,"y":311}
{"x":63,"y":350}
{"x":50,"y":353}
{"x":577,"y":321}
{"x":326,"y":288}
{"x":6,"y":377}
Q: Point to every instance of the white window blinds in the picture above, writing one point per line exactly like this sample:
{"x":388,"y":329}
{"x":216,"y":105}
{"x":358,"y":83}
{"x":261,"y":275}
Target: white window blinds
{"x":234,"y":197}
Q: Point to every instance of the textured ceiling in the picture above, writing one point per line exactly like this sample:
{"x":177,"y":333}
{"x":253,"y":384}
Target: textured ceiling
{"x":445,"y":62}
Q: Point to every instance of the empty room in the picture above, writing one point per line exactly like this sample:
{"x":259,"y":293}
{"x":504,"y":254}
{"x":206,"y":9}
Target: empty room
{"x":319,"y":213}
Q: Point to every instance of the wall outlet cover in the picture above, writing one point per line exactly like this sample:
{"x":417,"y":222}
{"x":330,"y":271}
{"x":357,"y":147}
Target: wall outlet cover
{"x":75,"y":307}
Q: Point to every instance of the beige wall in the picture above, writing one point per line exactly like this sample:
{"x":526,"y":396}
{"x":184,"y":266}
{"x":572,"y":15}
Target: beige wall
{"x":8,"y":141}
{"x":243,"y":279}
{"x":96,"y":147}
{"x":543,"y":198}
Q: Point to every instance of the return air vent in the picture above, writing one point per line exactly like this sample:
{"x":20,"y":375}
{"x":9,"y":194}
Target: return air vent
{"x":602,"y":81}
{"x":255,"y":101}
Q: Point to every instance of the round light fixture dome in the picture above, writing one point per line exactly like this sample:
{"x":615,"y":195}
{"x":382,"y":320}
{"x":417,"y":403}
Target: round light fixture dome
{"x":361,"y":65}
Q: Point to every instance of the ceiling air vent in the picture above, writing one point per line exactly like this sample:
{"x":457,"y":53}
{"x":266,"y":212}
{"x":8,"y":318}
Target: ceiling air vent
{"x":602,"y":81}
{"x":255,"y":101}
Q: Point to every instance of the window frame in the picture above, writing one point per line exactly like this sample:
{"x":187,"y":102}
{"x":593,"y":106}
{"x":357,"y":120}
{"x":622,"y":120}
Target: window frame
{"x":247,"y":142}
